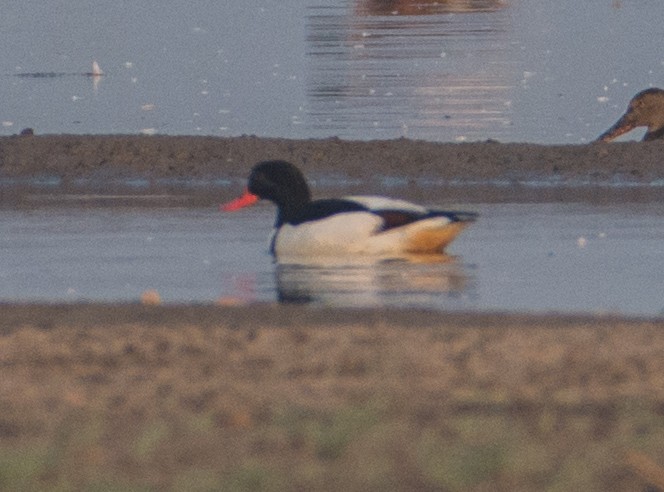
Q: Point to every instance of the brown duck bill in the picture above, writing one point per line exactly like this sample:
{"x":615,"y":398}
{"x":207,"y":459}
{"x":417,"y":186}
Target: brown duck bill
{"x":622,"y":126}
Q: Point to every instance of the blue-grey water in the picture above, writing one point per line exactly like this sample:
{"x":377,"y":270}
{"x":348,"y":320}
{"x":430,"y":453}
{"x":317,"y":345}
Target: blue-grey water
{"x":537,"y":257}
{"x":511,"y":70}
{"x":452,"y":70}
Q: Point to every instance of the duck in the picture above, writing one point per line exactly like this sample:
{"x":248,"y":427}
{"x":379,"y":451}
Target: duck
{"x":352,"y":225}
{"x":645,"y":109}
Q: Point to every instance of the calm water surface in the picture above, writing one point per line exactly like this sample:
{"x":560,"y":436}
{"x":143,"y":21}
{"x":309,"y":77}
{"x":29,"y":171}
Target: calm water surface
{"x":535,"y":257}
{"x":453,"y":70}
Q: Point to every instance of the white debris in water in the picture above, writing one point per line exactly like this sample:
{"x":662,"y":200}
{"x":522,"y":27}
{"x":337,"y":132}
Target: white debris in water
{"x":148,"y":131}
{"x":581,"y":242}
{"x":603,"y":99}
{"x":76,"y":98}
{"x":460,"y":138}
{"x":526,"y":77}
{"x":7,"y":124}
{"x":129,"y":64}
{"x":148,"y":107}
{"x":96,"y":69}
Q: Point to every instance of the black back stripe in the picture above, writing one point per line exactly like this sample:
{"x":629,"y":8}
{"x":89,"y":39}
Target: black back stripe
{"x":399,"y":218}
{"x":321,"y":209}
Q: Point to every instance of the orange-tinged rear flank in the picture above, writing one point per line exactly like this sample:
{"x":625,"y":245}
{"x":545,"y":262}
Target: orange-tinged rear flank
{"x":432,"y":240}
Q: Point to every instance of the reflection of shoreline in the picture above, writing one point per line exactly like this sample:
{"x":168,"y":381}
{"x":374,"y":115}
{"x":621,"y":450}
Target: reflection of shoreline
{"x":380,"y":68}
{"x":372,"y":283}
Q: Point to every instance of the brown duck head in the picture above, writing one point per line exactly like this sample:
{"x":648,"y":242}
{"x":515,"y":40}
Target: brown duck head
{"x":645,"y":109}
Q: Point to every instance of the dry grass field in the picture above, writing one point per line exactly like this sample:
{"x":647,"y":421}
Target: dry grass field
{"x":130,"y":397}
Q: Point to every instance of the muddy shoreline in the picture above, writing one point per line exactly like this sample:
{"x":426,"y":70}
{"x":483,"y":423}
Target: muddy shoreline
{"x":71,"y":156}
{"x":203,"y":169}
{"x":50,"y":315}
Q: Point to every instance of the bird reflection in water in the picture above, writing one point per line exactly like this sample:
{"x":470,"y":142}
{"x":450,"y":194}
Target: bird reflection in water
{"x":426,"y":7}
{"x":419,"y":281}
{"x":408,"y":68}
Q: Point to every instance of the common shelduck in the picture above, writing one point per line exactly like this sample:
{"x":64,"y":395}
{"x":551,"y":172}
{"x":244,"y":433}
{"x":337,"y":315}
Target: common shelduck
{"x":645,"y":109}
{"x":358,"y":225}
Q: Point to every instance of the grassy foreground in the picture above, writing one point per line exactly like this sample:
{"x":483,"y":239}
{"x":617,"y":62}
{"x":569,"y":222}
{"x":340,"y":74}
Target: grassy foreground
{"x":268,"y":398}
